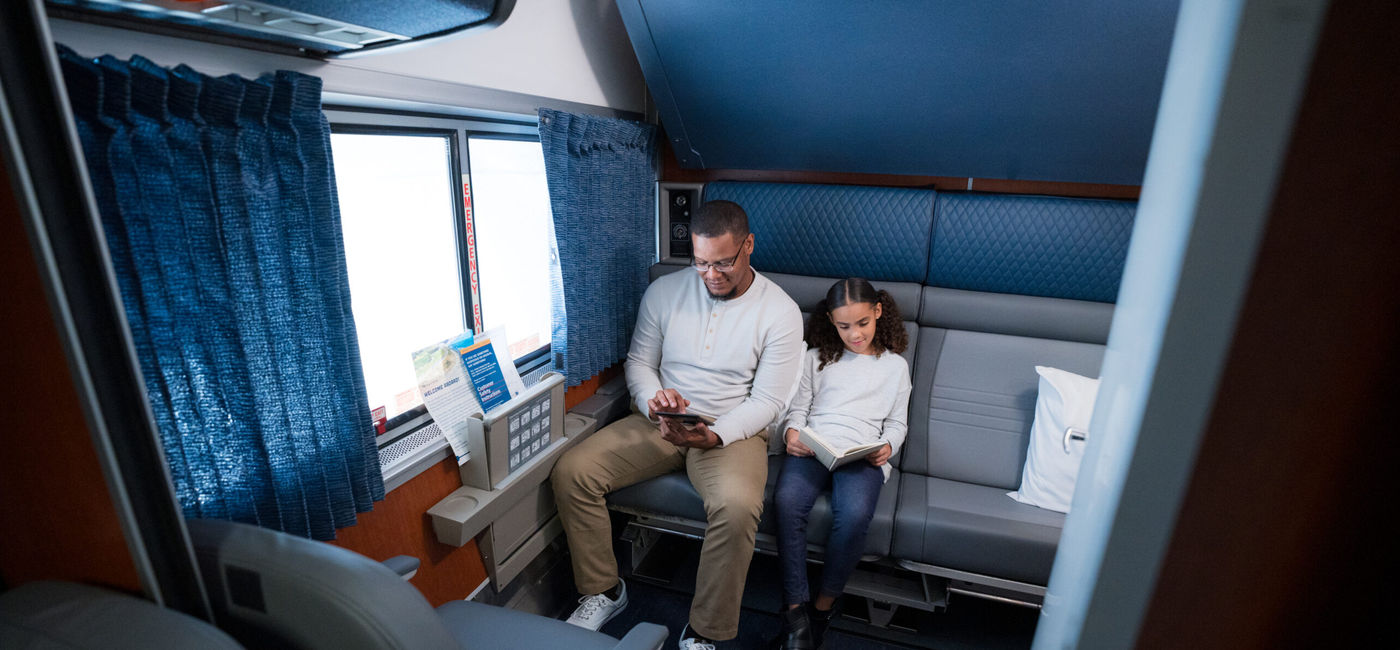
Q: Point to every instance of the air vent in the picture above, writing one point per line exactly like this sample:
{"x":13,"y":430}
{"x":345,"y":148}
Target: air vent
{"x":257,"y":17}
{"x":409,"y":445}
{"x":533,"y":375}
{"x":404,"y":458}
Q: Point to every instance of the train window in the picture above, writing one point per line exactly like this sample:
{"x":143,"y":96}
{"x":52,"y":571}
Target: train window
{"x":398,"y":214}
{"x":447,"y":227}
{"x":514,"y":236}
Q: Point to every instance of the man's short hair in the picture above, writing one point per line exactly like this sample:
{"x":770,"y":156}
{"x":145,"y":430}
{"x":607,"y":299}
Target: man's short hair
{"x":715,"y":218}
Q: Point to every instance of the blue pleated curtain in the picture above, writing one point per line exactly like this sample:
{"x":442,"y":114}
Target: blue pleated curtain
{"x":218,"y":203}
{"x":601,"y":174}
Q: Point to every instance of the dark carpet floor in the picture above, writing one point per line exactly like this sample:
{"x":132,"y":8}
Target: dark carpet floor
{"x":661,"y":593}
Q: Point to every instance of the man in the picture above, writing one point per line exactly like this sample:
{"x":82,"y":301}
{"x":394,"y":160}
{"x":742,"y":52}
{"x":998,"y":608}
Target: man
{"x":724,"y":343}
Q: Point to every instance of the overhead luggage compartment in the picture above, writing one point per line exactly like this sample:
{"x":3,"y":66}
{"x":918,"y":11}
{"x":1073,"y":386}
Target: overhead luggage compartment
{"x":317,"y":28}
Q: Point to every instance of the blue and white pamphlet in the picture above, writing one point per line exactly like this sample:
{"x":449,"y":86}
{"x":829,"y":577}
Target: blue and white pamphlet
{"x":488,"y":364}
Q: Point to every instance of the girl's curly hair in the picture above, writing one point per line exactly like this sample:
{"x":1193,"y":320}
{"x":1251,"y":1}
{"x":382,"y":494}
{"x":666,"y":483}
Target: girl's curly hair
{"x":889,"y":329}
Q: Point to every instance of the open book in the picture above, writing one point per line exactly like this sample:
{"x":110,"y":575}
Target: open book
{"x":831,"y":457}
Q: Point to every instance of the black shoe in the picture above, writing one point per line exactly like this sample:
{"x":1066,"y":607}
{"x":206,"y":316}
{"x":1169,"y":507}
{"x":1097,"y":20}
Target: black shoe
{"x":819,"y":621}
{"x":797,"y":631}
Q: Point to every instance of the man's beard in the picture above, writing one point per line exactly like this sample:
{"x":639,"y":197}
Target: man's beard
{"x":729,"y":295}
{"x":726,"y":296}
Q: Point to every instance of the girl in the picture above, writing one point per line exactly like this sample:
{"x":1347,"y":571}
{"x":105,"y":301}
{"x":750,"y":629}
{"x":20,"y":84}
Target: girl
{"x":854,"y":390}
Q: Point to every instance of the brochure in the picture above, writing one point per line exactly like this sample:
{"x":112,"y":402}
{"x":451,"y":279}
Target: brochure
{"x":834,"y":458}
{"x":448,"y":394}
{"x":487,"y":362}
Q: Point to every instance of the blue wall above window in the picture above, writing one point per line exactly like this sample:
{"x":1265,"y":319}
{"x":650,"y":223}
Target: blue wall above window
{"x":1062,"y":90}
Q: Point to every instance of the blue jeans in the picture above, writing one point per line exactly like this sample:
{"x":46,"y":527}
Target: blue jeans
{"x":855,"y":488}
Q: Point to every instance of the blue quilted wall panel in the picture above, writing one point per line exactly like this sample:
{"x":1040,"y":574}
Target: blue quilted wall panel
{"x":879,"y":233}
{"x":1031,"y":245}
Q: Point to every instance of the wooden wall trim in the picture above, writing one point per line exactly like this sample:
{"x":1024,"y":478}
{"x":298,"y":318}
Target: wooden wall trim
{"x":58,"y":517}
{"x":588,"y":387}
{"x":400,"y":525}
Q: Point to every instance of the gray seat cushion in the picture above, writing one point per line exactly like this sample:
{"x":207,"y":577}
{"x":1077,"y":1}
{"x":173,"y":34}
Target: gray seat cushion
{"x":974,"y":528}
{"x":673,"y":495}
{"x":668,"y":494}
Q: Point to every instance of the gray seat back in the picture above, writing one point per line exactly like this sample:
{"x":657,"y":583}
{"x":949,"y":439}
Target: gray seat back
{"x":274,"y":589}
{"x":807,"y":291}
{"x":975,"y":383}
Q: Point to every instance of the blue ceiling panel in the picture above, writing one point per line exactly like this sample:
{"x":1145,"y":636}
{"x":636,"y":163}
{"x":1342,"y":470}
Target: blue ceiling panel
{"x":1019,"y":89}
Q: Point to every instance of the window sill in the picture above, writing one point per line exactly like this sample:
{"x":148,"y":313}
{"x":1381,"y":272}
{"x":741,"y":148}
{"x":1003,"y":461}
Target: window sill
{"x":411,"y":455}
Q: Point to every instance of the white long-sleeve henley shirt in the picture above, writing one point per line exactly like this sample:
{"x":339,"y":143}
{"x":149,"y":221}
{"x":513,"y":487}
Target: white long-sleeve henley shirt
{"x":736,"y":360}
{"x":855,"y":400}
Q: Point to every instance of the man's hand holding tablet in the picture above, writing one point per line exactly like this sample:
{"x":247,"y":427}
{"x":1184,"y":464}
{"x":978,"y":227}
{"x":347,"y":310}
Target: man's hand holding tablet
{"x":667,"y":400}
{"x":678,"y":427}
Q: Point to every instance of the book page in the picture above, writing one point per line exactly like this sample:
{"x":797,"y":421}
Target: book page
{"x":834,"y":458}
{"x":813,"y":440}
{"x":856,"y":453}
{"x":820,"y":449}
{"x":862,"y":450}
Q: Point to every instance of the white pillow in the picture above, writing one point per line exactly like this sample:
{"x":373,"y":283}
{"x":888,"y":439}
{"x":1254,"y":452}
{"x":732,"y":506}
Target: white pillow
{"x":1065,"y":401}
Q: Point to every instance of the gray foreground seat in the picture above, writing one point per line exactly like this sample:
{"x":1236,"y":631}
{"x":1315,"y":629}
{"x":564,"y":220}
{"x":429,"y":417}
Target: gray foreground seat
{"x":273,"y":589}
{"x":52,"y":614}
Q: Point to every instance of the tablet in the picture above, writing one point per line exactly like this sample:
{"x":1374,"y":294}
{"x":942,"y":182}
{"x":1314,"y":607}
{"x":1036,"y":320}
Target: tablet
{"x":687,"y":419}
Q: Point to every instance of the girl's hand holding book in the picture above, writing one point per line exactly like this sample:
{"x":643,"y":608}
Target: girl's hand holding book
{"x":880,"y":456}
{"x":795,"y":446}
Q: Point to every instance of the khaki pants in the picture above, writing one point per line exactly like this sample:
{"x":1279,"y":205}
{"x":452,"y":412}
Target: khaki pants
{"x":729,"y":479}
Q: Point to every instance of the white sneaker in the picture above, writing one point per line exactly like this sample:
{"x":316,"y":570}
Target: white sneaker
{"x":689,"y":643}
{"x":593,"y":611}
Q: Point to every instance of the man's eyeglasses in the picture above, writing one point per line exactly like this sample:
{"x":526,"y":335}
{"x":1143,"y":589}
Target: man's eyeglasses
{"x":722,"y":267}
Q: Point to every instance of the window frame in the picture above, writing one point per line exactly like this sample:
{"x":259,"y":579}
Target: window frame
{"x":458,"y":129}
